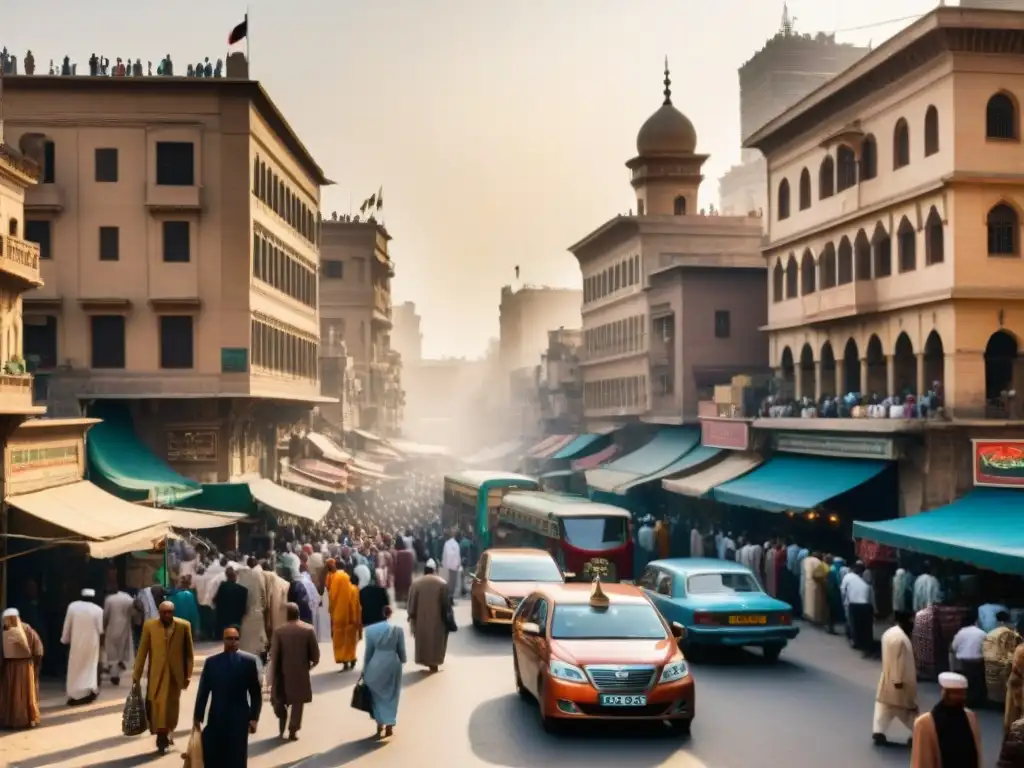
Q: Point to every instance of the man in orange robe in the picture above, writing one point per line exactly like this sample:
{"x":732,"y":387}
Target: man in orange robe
{"x":346,"y":619}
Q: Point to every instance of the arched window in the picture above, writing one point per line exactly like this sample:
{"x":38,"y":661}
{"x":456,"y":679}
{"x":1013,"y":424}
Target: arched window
{"x":805,"y":190}
{"x":868,"y":158}
{"x":1001,"y":117}
{"x":907,"y":240}
{"x":934,"y":239}
{"x":1003,"y":228}
{"x":783,"y":199}
{"x":792,"y":277}
{"x":862,"y":256}
{"x":679,"y":206}
{"x":256,"y":176}
{"x":900,"y":144}
{"x":826,"y":178}
{"x":778,"y":282}
{"x":808,"y":274}
{"x":828,"y":267}
{"x":881,"y":245}
{"x":12,"y":228}
{"x":846,"y":168}
{"x":845,"y":261}
{"x":931,"y":131}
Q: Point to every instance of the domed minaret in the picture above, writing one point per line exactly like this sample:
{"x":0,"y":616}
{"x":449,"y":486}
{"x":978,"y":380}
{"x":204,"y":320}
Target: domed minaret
{"x":666,"y":171}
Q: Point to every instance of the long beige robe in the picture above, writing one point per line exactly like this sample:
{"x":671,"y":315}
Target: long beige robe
{"x":428,"y":603}
{"x":925,"y":753}
{"x":814,"y":591}
{"x":277,"y":599}
{"x":898,"y":669}
{"x":254,"y":627}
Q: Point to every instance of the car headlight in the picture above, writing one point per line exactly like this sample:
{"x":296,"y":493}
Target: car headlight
{"x":496,"y":600}
{"x":567,"y":672}
{"x":674,"y":670}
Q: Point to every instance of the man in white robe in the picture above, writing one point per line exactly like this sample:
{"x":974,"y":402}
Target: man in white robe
{"x":927,"y":591}
{"x":254,"y":623}
{"x":696,"y":542}
{"x":83,"y":633}
{"x":118,"y":615}
{"x":896,"y":695}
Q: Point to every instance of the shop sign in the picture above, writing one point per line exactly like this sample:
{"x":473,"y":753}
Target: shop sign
{"x":723,"y":433}
{"x":194,"y":445}
{"x":999,"y":463}
{"x":50,"y":463}
{"x":234,"y":360}
{"x":843,"y":446}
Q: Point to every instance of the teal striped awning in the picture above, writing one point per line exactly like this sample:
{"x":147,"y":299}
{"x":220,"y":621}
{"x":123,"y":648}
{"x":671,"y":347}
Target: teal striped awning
{"x":668,"y":446}
{"x":579,"y":444}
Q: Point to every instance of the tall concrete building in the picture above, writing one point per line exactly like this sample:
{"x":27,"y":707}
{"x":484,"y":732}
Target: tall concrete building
{"x":526,"y":316}
{"x":406,"y":336}
{"x":177,"y":224}
{"x":355,"y":294}
{"x":785,"y":70}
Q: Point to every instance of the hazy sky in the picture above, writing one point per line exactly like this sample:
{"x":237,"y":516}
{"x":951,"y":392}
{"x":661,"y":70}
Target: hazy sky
{"x":498,"y":130}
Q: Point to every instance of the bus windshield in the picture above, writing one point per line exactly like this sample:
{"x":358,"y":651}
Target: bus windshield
{"x":595,"y":534}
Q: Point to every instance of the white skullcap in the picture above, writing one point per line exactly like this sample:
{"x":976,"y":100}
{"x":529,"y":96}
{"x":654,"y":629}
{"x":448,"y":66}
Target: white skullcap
{"x":431,"y":564}
{"x":88,"y":592}
{"x":953,"y":681}
{"x":10,"y":612}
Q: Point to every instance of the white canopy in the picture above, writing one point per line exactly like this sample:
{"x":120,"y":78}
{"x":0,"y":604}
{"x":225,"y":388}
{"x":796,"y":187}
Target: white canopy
{"x":289,"y":502}
{"x":328,"y":448}
{"x":700,"y":483}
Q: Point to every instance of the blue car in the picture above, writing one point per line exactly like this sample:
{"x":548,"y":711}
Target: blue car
{"x":720,"y":603}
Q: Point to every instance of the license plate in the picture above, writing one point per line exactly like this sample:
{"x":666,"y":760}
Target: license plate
{"x":748,"y":619}
{"x":608,"y":700}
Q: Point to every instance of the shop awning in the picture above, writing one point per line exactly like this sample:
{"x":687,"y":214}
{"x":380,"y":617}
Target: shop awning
{"x":495,"y":454}
{"x":224,"y":497}
{"x":547,"y":446}
{"x":576,"y":446}
{"x":367,"y":436}
{"x":299,"y":480}
{"x":410,"y":448}
{"x":361,"y":471}
{"x":700,"y":454}
{"x":111,"y":525}
{"x":329,"y":449}
{"x":288,"y":502}
{"x":985,"y":529}
{"x":700,"y":484}
{"x":322,"y":472}
{"x":551,"y":450}
{"x":595,"y":459}
{"x":797,"y":482}
{"x":667,"y":447}
{"x":125,"y":465}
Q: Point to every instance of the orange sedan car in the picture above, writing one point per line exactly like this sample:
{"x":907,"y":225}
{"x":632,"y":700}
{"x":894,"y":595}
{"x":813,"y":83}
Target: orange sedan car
{"x":504,"y":577}
{"x":600,"y":651}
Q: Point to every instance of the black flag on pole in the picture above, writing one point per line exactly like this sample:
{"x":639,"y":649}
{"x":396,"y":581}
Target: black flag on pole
{"x":240,"y":32}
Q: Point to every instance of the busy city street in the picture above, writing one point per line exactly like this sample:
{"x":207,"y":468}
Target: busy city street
{"x":814,"y":705}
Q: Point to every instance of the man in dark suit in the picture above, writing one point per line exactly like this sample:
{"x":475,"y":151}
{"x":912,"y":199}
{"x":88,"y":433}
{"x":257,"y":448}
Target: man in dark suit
{"x":294,"y":651}
{"x":229,"y":602}
{"x":231,"y":679}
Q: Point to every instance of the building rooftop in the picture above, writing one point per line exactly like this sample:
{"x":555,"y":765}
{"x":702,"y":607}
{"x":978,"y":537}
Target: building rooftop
{"x":20,"y":162}
{"x":251,"y":89}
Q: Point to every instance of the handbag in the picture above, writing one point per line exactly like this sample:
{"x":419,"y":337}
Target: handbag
{"x":449,"y":619}
{"x":133,"y":719}
{"x":193,"y":756}
{"x":361,"y":698}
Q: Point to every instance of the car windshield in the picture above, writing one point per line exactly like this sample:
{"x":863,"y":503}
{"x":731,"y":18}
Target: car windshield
{"x":523,"y":569}
{"x":595,"y":534}
{"x":721,"y":584}
{"x":616,"y":622}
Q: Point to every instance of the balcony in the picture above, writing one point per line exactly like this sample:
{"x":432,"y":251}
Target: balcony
{"x":20,"y":259}
{"x":162,"y":198}
{"x":829,"y":304}
{"x":613,"y":349}
{"x":44,"y":198}
{"x":381,"y":305}
{"x":661,"y":353}
{"x":16,"y":394}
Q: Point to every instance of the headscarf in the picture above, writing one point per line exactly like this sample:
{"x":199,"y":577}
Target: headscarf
{"x":15,"y":639}
{"x":362,"y":574}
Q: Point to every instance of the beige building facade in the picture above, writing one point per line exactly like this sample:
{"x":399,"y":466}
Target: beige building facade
{"x":356,"y":308}
{"x":561,"y":383}
{"x":895,"y":232}
{"x":406,"y":336}
{"x":177,"y":222}
{"x":672,"y":298}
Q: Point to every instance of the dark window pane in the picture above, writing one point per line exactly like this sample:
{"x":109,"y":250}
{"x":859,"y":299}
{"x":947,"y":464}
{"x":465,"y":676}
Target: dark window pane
{"x":40,"y":341}
{"x":722,"y":323}
{"x":110,"y":243}
{"x":176,"y":341}
{"x":106,"y":165}
{"x":49,"y":162}
{"x":107,"y":341}
{"x":176,"y":242}
{"x":175,"y":163}
{"x":39,"y":231}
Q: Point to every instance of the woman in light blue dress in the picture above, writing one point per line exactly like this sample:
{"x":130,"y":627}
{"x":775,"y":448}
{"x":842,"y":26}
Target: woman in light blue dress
{"x":382,"y":671}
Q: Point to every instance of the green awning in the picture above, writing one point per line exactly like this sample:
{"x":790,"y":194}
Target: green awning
{"x":122,"y":464}
{"x":225,"y":497}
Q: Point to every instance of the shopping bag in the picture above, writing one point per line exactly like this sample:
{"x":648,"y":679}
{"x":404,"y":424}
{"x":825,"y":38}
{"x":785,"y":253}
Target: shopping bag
{"x":133,"y":719}
{"x":361,"y":699}
{"x":193,"y":756}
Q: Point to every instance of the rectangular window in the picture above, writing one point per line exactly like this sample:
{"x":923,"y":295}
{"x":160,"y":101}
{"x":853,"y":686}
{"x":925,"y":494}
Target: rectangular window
{"x":176,"y":341}
{"x":107,"y":341}
{"x":334,"y":268}
{"x":40,"y":341}
{"x":176,"y":242}
{"x":106,"y":164}
{"x":49,"y":162}
{"x":39,"y":231}
{"x":175,"y":163}
{"x":722,"y":329}
{"x":110,"y":243}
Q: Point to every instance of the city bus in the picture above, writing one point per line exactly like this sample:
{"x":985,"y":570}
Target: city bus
{"x":586,"y":538}
{"x":472,"y":498}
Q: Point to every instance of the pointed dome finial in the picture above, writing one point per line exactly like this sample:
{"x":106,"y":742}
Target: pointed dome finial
{"x":598,"y":599}
{"x":668,"y":86}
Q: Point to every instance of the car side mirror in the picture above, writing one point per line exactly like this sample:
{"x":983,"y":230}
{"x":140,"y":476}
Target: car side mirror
{"x":530,"y":628}
{"x":678,"y":631}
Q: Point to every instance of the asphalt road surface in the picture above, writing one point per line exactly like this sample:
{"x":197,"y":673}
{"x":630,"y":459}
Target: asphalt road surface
{"x":812,"y":708}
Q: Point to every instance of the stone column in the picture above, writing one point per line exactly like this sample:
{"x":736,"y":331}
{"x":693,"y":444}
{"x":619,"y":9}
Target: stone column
{"x":840,"y":377}
{"x":890,"y":374}
{"x":921,"y":383}
{"x":797,"y":382}
{"x":817,"y":380}
{"x":864,"y":376}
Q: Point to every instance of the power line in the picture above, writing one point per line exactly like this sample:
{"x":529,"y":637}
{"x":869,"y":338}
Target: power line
{"x":914,"y":17}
